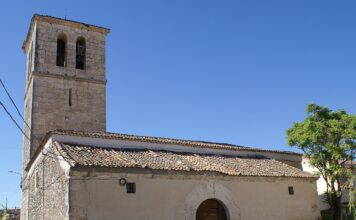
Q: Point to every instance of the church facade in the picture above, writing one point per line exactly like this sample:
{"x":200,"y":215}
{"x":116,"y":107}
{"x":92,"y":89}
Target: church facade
{"x":74,"y":169}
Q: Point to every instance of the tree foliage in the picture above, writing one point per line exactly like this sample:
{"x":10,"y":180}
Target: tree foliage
{"x":328,"y":139}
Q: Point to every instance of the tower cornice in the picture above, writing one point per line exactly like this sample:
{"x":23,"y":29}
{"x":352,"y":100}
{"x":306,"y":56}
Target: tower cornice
{"x":60,"y":21}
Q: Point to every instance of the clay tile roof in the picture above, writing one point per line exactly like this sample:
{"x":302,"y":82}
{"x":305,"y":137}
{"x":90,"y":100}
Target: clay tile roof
{"x":173,"y":161}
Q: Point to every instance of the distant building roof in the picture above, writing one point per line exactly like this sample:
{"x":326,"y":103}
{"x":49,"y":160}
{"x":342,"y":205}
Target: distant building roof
{"x":89,"y":156}
{"x":14,"y":214}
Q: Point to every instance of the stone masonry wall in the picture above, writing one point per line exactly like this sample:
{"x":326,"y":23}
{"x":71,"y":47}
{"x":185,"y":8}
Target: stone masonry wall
{"x":27,"y":115}
{"x":51,"y":108}
{"x":49,"y":86}
{"x":48,"y":197}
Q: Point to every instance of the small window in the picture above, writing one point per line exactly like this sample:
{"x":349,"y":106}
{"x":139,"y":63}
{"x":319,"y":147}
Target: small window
{"x":80,"y":54}
{"x":291,"y":190}
{"x":61,"y":51}
{"x":70,"y":97}
{"x":131,"y":187}
{"x":37,"y":180}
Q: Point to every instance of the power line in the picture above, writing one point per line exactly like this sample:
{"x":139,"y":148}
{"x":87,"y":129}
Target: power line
{"x":13,"y":120}
{"x":14,"y":104}
{"x":14,"y":172}
{"x":18,"y":111}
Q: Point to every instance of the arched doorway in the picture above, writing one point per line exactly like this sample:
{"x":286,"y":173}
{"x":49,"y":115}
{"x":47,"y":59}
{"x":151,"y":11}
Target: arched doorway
{"x":211,"y":209}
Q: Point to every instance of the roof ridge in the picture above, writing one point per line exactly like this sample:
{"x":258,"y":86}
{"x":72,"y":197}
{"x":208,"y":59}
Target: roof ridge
{"x":111,"y":135}
{"x":129,"y":149}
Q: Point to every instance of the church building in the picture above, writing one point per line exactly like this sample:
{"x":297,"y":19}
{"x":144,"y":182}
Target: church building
{"x":76,"y":170}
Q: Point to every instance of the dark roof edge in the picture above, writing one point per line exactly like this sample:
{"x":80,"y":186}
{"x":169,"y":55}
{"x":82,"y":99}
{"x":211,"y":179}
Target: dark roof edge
{"x":163,"y":140}
{"x":79,"y":167}
{"x":72,"y":21}
{"x":38,"y":151}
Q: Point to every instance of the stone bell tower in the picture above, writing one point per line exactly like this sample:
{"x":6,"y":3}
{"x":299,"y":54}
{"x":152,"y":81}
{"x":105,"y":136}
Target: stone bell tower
{"x":65,"y":79}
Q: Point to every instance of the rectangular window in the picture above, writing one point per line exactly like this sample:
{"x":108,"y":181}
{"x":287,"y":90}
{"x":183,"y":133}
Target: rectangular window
{"x":37,"y":180}
{"x":70,"y":97}
{"x":291,"y":190}
{"x":131,"y":187}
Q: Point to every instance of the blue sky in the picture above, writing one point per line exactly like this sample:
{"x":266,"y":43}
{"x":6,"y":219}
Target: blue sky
{"x":239,"y":72}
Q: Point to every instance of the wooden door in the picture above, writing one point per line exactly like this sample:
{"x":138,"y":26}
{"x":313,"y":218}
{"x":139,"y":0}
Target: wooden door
{"x":211,"y":209}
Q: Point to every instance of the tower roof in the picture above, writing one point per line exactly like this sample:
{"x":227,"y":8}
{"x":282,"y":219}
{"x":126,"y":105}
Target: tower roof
{"x":61,"y":21}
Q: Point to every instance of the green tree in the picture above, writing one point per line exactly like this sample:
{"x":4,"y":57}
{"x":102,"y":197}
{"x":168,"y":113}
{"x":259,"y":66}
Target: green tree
{"x":328,"y":139}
